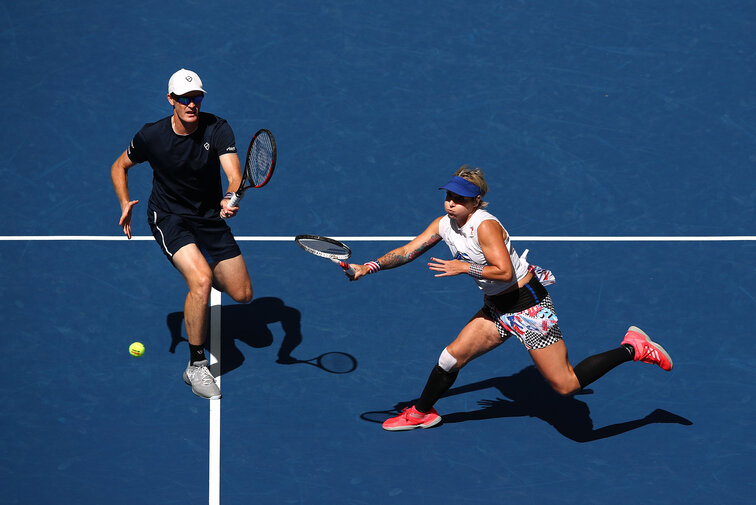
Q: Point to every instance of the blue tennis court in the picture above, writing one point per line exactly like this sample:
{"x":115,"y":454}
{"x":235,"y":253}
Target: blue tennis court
{"x":618,"y":141}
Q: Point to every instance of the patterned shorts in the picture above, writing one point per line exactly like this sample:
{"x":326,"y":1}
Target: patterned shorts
{"x":536,"y":327}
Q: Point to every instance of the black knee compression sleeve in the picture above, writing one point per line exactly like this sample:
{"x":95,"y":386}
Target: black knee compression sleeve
{"x":593,"y":367}
{"x":438,"y":383}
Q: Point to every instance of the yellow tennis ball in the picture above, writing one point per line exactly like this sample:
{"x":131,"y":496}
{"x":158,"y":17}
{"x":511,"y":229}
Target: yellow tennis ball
{"x":136,"y":349}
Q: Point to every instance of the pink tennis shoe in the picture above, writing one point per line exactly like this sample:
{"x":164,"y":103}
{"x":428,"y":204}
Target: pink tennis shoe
{"x":411,"y":418}
{"x":647,"y":350}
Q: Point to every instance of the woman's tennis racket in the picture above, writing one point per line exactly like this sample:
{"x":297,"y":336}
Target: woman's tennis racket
{"x":327,"y":248}
{"x":258,"y":169}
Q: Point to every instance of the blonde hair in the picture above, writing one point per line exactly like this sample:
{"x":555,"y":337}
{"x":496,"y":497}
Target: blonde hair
{"x":475,"y":176}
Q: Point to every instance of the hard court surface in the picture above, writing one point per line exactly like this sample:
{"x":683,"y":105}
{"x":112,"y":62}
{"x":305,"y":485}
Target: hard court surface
{"x":590,"y":119}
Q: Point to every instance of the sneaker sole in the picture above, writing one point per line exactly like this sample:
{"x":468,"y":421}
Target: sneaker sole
{"x":658,"y":346}
{"x":414,"y":426}
{"x":188,"y":383}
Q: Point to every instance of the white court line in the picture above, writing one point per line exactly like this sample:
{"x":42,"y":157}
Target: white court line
{"x":702,"y":238}
{"x":215,"y":405}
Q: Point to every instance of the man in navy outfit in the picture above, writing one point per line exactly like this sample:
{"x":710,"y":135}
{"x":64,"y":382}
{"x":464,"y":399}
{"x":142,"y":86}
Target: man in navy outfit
{"x":187,"y":151}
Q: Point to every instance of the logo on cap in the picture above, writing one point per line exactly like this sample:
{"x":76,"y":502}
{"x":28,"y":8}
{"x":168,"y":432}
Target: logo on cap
{"x":188,"y":78}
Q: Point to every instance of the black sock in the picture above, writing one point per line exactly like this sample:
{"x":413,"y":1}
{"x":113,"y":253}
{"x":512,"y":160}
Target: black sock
{"x":196,"y":353}
{"x":592,"y":368}
{"x":438,"y":383}
{"x":630,"y":349}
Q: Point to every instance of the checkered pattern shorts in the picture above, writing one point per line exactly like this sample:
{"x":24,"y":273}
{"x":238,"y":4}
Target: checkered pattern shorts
{"x":536,"y":327}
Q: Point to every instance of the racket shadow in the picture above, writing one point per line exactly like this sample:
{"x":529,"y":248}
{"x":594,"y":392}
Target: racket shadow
{"x":249,"y":324}
{"x":335,"y":362}
{"x":528,"y":395}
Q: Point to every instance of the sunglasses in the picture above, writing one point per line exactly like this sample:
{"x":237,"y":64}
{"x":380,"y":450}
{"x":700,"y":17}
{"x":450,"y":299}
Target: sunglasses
{"x":186,"y":100}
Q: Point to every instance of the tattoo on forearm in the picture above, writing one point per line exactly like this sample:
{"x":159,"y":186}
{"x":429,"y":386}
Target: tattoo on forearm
{"x":393,"y":259}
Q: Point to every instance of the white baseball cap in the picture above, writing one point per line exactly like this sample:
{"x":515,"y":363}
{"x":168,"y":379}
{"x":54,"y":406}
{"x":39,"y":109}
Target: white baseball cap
{"x":183,"y":82}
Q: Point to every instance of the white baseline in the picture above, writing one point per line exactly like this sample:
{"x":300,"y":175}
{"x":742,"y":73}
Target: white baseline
{"x":648,"y":238}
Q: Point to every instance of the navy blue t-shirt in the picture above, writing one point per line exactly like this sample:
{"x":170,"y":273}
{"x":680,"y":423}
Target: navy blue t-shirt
{"x":186,"y":168}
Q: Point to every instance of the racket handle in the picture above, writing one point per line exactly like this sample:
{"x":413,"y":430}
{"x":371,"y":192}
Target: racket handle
{"x":346,"y":266}
{"x":234,"y":200}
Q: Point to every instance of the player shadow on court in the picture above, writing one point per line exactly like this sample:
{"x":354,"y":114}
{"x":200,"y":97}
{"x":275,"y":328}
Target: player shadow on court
{"x":528,"y":394}
{"x":248,"y":323}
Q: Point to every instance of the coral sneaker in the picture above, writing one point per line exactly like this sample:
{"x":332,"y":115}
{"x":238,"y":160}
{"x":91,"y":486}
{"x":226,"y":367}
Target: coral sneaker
{"x":411,"y":418}
{"x":646,"y":350}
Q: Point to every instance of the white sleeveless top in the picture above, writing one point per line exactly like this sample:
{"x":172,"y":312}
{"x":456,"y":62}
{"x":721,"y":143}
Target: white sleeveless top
{"x":464,"y":246}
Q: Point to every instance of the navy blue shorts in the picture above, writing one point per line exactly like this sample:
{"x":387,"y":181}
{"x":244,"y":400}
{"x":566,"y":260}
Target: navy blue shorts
{"x":212,"y":236}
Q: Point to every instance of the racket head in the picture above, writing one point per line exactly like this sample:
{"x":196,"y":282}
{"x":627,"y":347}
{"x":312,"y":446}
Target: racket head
{"x":325,"y":247}
{"x":261,"y":159}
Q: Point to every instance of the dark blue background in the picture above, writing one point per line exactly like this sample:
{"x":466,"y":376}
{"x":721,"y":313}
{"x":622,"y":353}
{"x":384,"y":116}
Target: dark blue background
{"x":614,"y":118}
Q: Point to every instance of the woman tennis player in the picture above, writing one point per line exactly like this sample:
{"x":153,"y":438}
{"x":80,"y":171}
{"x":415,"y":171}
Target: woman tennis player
{"x":515,"y":302}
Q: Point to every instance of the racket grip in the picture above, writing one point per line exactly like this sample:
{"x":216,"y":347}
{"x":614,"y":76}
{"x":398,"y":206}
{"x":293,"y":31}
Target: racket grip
{"x":234,"y":200}
{"x":346,"y":266}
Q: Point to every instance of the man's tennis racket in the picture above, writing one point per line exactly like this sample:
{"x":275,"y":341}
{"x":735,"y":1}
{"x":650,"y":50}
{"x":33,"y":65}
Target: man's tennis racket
{"x":258,"y":169}
{"x":326,"y":248}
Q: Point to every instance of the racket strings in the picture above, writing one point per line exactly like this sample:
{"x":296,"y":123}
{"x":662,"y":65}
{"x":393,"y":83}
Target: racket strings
{"x":260,"y":159}
{"x":323,"y":247}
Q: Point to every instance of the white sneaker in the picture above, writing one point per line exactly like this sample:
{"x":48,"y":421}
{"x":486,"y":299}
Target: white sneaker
{"x":202,"y":381}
